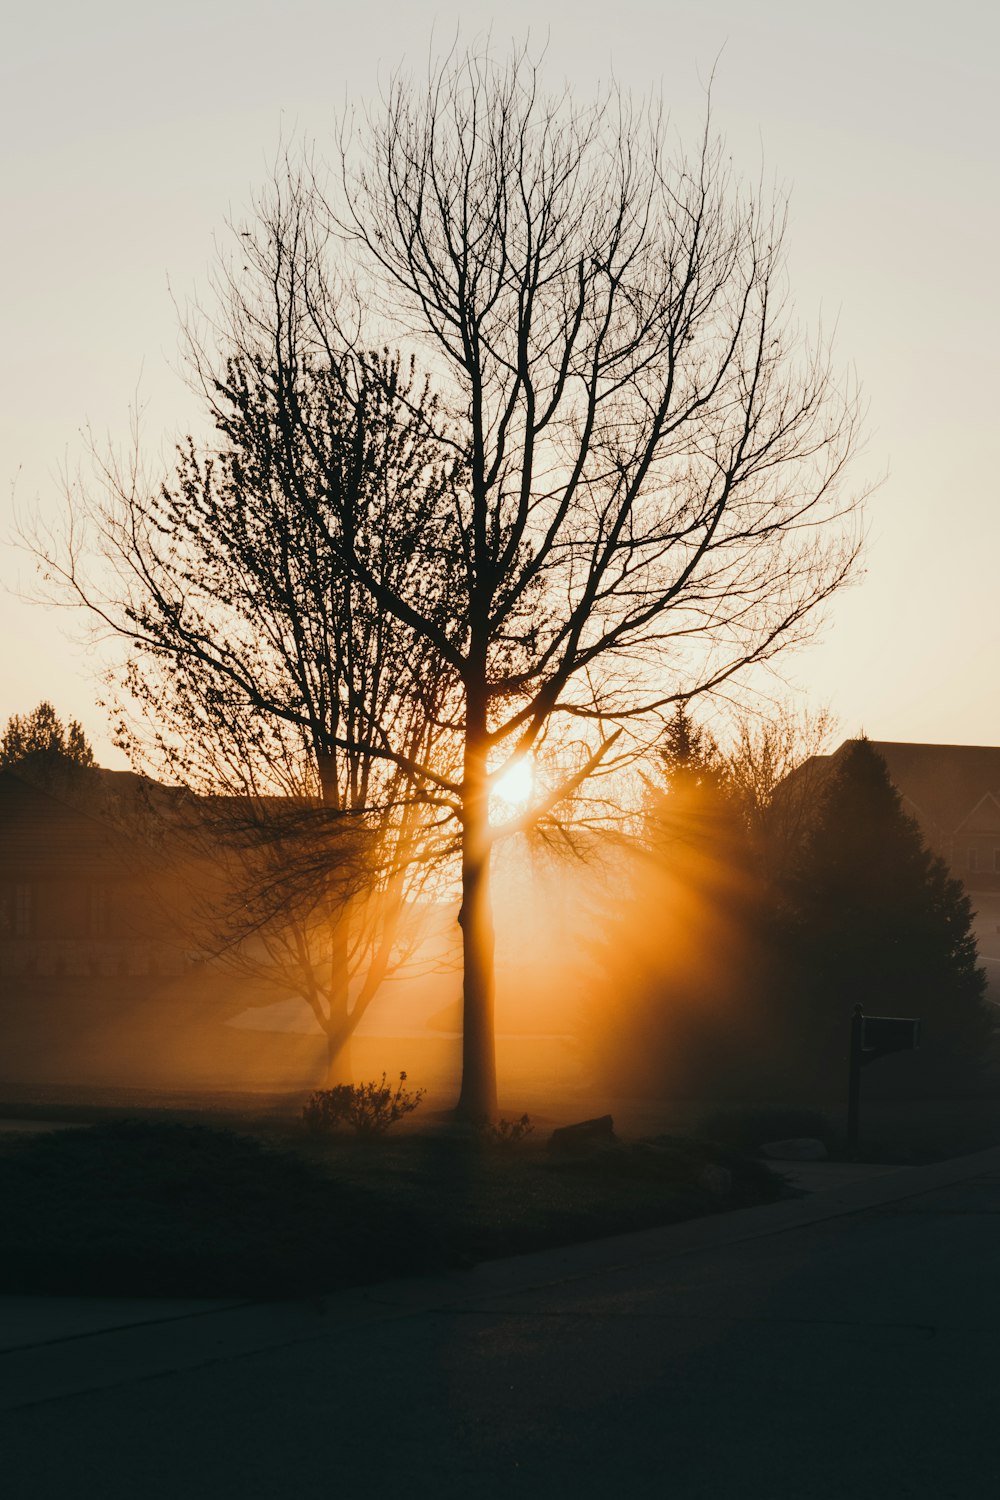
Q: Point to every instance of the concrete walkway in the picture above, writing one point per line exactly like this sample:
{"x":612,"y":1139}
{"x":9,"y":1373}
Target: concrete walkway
{"x":840,"y":1345}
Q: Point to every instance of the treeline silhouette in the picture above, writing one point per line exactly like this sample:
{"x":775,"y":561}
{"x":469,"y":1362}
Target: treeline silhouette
{"x":742,"y":937}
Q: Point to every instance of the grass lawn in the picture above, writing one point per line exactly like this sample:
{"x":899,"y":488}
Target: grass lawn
{"x":143,"y":1207}
{"x":195,"y":1195}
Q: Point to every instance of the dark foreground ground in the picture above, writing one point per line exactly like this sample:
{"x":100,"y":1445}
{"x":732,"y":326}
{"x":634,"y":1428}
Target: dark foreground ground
{"x":224,"y":1195}
{"x":841,"y":1345}
{"x":162,"y":1207}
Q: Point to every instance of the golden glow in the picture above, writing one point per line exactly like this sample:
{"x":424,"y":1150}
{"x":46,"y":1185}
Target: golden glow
{"x":516,"y":785}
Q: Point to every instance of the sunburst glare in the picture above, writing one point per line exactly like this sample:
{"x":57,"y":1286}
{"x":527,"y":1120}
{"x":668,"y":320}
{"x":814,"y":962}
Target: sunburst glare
{"x":514,"y":789}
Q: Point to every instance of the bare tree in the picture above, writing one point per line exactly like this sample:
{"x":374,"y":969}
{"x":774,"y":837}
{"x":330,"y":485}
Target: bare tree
{"x":775,"y":771}
{"x":653,"y":453}
{"x":318,"y":877}
{"x":299,"y":905}
{"x":645,"y":496}
{"x":260,"y":669}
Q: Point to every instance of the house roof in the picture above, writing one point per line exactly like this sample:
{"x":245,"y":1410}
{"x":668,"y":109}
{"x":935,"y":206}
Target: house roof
{"x":42,"y":806}
{"x":984,"y":817}
{"x":941,"y":784}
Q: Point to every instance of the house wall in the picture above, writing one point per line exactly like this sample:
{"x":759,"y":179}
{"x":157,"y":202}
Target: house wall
{"x":78,"y":898}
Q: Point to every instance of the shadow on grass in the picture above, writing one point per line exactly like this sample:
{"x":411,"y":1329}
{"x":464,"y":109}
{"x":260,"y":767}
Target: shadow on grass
{"x":145,"y":1208}
{"x":138,"y":1208}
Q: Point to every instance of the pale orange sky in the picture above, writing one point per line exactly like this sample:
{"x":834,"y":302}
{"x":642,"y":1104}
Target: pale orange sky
{"x":132,"y":131}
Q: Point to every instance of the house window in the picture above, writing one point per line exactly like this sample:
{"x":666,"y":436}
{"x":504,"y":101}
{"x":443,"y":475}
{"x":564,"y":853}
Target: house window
{"x":973,"y":860}
{"x":22,"y":911}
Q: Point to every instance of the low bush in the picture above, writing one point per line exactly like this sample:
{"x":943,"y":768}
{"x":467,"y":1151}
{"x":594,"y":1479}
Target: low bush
{"x":367,"y":1108}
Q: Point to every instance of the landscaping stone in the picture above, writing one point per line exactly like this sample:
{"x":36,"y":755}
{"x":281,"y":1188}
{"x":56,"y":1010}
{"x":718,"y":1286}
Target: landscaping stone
{"x":585,"y":1138}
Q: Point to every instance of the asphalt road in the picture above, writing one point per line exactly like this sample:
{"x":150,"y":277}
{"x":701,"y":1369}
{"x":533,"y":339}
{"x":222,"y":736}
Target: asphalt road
{"x":845,"y":1346}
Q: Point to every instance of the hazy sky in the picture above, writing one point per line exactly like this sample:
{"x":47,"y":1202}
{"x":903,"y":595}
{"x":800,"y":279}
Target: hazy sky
{"x":132,"y":130}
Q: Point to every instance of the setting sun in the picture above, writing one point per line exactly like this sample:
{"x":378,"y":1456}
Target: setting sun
{"x":516,"y":784}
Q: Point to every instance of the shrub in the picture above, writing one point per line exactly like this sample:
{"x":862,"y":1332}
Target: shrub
{"x":506,"y":1132}
{"x":368,"y":1108}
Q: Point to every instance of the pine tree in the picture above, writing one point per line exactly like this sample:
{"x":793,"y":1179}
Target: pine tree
{"x":689,"y":802}
{"x":874,"y":917}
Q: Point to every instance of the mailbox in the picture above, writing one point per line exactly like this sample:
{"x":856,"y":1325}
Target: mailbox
{"x":871,"y":1038}
{"x":889,"y":1034}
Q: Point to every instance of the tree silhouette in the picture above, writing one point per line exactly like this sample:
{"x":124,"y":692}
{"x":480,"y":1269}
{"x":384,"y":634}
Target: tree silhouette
{"x":263,"y":666}
{"x":774,"y":772}
{"x":874,"y":918}
{"x":732,"y":962}
{"x":645,"y":495}
{"x":41,"y":739}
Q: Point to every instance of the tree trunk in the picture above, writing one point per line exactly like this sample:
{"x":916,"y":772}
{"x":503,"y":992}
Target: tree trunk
{"x":478,"y":1099}
{"x":338,"y":1024}
{"x":338,"y":1059}
{"x":339,"y":1027}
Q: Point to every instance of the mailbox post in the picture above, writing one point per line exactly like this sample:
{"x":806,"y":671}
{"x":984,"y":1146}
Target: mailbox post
{"x":873,"y":1037}
{"x":854,"y":1082}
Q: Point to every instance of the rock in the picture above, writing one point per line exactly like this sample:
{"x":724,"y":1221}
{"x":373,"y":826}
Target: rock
{"x":585,"y":1138}
{"x":798,"y":1148}
{"x":716,"y":1180}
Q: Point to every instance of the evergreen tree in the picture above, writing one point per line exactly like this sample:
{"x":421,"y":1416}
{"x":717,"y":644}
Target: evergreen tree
{"x":724,"y":981}
{"x":874,"y":917}
{"x":689,"y":802}
{"x":40,"y":739}
{"x":688,"y":753}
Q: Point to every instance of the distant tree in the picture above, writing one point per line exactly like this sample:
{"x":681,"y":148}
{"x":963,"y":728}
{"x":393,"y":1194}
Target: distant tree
{"x":679,"y":954}
{"x":766,"y":775}
{"x":687,"y":752}
{"x":873,"y":917}
{"x":690,"y":800}
{"x":775,"y":770}
{"x":761,"y":910}
{"x":40,"y":738}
